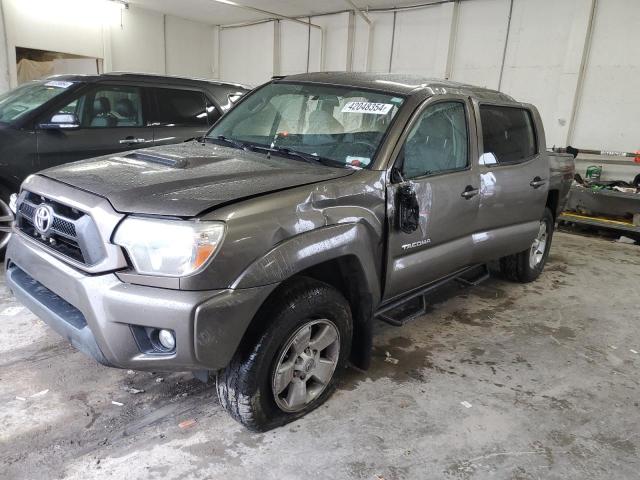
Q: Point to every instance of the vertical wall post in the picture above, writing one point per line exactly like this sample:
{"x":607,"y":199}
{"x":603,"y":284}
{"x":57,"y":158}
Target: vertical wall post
{"x":577,"y":97}
{"x":393,"y":40}
{"x":506,"y":44}
{"x":453,"y":34}
{"x":351,"y":40}
{"x":277,"y":64}
{"x":164,"y":37}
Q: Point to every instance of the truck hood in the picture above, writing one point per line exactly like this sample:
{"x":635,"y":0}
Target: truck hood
{"x":186,"y":179}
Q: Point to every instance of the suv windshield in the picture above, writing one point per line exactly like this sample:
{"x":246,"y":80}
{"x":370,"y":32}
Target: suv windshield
{"x":16,"y":103}
{"x":340,"y":125}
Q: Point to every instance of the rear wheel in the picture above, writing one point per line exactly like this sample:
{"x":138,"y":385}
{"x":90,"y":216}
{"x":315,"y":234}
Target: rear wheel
{"x":527,"y":265}
{"x":290,"y":368}
{"x":6,"y":220}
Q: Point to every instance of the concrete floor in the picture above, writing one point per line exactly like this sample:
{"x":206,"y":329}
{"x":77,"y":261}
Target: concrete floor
{"x":550,"y":372}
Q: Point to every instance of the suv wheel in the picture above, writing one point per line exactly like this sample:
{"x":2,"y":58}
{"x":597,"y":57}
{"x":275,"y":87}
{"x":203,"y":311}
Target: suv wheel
{"x":290,"y":368}
{"x":527,"y":265}
{"x":6,"y":220}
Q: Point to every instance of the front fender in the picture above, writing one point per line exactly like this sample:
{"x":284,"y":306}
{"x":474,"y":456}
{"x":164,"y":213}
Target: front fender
{"x":312,"y":248}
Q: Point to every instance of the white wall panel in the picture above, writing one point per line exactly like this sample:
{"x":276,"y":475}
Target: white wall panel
{"x":190,"y":48}
{"x":138,"y":45}
{"x":381,"y":42}
{"x":67,"y":26}
{"x":335,"y":42}
{"x":360,"y":45}
{"x":421,"y":40}
{"x":246,"y":53}
{"x":294,"y":40}
{"x":608,"y":115}
{"x":479,"y":42}
{"x":542,"y":55}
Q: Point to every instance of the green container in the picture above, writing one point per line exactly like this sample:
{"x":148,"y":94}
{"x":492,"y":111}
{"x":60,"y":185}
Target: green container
{"x":594,"y":173}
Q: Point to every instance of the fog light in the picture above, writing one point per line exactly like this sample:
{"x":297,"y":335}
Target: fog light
{"x":167,"y":339}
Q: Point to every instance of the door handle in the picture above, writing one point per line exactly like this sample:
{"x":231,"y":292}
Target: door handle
{"x":469,"y":192}
{"x":537,"y":182}
{"x":131,"y":141}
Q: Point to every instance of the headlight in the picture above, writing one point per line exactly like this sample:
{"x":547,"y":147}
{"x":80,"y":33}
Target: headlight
{"x":172,"y":248}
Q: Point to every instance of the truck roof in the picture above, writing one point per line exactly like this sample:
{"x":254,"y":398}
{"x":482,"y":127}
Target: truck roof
{"x":397,"y":83}
{"x":147,"y":77}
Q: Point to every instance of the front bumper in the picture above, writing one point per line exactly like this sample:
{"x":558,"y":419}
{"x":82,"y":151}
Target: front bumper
{"x":98,"y":313}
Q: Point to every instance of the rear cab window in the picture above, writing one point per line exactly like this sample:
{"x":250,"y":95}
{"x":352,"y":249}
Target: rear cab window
{"x":508,"y":134}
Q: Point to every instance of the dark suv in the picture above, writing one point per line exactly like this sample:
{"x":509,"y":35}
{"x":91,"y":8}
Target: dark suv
{"x":71,"y":117}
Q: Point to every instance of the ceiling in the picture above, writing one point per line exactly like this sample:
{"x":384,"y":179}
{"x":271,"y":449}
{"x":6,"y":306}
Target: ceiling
{"x":210,"y":11}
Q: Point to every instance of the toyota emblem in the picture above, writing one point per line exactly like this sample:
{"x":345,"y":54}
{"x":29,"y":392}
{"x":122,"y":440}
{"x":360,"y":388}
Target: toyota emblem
{"x":43,"y":219}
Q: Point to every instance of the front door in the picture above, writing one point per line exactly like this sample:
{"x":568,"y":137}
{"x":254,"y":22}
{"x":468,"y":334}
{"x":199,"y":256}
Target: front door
{"x":111,"y":119}
{"x":434,"y":165}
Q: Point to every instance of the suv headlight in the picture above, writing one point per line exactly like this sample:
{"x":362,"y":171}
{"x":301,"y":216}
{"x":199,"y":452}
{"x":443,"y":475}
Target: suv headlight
{"x":172,"y":248}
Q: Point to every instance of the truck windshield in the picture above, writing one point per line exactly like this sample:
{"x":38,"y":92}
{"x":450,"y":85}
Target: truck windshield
{"x":340,"y":126}
{"x":22,"y":100}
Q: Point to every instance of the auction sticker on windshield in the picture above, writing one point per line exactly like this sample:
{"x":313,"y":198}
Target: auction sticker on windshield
{"x":367,"y":107}
{"x":58,"y":83}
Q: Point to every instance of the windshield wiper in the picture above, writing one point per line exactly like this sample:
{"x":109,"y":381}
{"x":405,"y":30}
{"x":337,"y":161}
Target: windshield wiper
{"x":231,"y":141}
{"x":307,"y":157}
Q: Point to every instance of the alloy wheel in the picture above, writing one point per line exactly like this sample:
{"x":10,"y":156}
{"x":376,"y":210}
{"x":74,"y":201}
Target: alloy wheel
{"x":536,"y":254}
{"x":6,"y":221}
{"x":306,"y":365}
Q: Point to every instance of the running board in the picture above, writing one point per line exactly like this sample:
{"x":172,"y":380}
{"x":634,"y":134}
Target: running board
{"x":399,"y":312}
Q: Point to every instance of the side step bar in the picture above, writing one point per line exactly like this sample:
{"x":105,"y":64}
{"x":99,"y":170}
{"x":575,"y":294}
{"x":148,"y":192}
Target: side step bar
{"x":400,"y":311}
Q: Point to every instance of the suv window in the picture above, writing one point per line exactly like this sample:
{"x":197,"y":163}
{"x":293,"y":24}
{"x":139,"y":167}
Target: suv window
{"x":107,"y":107}
{"x":507,"y":133}
{"x":438,"y":142}
{"x":180,"y":107}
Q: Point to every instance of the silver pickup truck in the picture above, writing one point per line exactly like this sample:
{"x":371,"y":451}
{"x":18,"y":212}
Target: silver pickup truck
{"x":264,"y":250}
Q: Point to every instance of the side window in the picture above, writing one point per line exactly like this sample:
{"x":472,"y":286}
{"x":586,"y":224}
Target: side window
{"x":438,"y":142}
{"x":507,"y":133}
{"x":107,"y":107}
{"x":180,"y":107}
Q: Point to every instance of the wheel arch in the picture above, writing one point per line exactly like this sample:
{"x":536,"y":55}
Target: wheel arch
{"x":553,"y":202}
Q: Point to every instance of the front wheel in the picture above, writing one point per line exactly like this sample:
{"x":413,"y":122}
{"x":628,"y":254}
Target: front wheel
{"x":527,"y":265}
{"x":289,"y":368}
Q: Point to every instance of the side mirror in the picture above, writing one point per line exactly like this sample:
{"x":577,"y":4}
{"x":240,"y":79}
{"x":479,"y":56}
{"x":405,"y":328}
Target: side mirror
{"x":408,"y":209}
{"x":66,"y":121}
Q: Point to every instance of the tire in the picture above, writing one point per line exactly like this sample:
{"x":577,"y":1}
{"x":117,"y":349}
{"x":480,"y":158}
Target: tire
{"x":4,"y":224}
{"x":523,"y":267}
{"x":246,"y":388}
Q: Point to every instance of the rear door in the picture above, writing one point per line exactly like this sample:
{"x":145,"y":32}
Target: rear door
{"x":514,"y":174}
{"x":435,"y":164}
{"x":180,"y":114}
{"x":111,"y":117}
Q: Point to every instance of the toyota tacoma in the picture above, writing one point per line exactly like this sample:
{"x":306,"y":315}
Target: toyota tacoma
{"x":263,"y":251}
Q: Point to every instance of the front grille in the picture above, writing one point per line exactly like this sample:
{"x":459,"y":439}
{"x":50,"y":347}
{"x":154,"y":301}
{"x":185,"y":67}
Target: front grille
{"x":64,"y":226}
{"x":71,"y":234}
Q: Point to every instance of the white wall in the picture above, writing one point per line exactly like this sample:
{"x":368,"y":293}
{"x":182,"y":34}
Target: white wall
{"x":608,"y":114}
{"x":479,"y":42}
{"x":191,"y":48}
{"x":542,"y":64}
{"x":247,"y":53}
{"x":138,"y":45}
{"x":421,"y":40}
{"x":131,"y":40}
